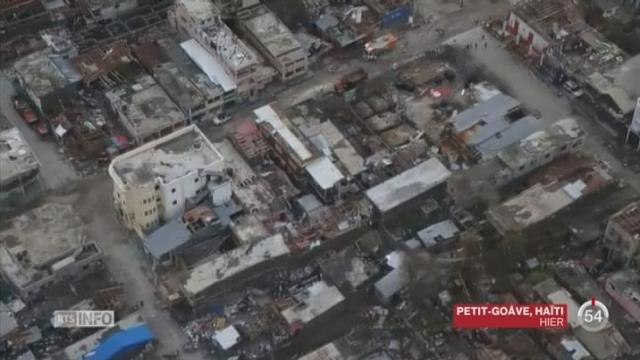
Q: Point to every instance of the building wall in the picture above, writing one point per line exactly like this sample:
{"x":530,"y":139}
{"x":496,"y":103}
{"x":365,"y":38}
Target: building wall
{"x":523,"y":32}
{"x":75,"y":271}
{"x":289,"y":65}
{"x":625,"y":300}
{"x":137,"y":206}
{"x":143,"y":207}
{"x":621,"y":242}
{"x":251,"y":144}
{"x":247,"y":79}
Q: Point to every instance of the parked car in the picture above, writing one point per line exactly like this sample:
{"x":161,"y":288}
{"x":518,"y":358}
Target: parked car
{"x":26,"y":113}
{"x":573,"y":88}
{"x":41,"y":128}
{"x":221,"y":119}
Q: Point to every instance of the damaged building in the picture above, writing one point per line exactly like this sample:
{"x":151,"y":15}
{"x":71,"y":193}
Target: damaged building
{"x":275,"y":42}
{"x":481,"y":131}
{"x":204,"y":278}
{"x":622,"y":235}
{"x":428,"y":177}
{"x":19,"y":169}
{"x":296,"y":158}
{"x":145,"y":110}
{"x":44,"y":246}
{"x":217,"y":51}
{"x":546,"y":198}
{"x":563,"y":137}
{"x":198,"y":104}
{"x":46,"y":79}
{"x":153,"y":182}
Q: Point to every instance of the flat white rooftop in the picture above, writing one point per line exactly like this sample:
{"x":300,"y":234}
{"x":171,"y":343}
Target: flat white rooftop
{"x":168,"y":158}
{"x":316,"y":300}
{"x":273,"y":34}
{"x":226,"y":265}
{"x":266,"y":114}
{"x":326,"y":352}
{"x":324,"y":172}
{"x":214,"y":70}
{"x":200,"y":9}
{"x":408,"y":185}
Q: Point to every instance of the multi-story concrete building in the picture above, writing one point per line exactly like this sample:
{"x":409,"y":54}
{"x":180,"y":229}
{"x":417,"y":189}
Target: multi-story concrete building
{"x":19,"y":168}
{"x":274,"y":41}
{"x":198,"y":103}
{"x":218,"y":52}
{"x":145,"y":110}
{"x":46,"y":79}
{"x":249,"y":139}
{"x":516,"y":160}
{"x":622,"y":236}
{"x":45,"y":246}
{"x":153,"y":182}
{"x":624,"y":288}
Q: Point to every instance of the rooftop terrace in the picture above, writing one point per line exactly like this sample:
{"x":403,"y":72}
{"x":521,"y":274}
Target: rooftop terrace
{"x":167,"y":158}
{"x":146,"y":107}
{"x":272,"y":33}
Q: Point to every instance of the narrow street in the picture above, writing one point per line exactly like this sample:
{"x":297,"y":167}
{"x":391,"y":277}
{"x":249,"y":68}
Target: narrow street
{"x":125,"y":261}
{"x":511,"y":74}
{"x":56,"y":172}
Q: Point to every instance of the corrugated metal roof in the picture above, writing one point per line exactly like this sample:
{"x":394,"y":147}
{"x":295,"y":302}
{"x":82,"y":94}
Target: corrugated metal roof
{"x":324,"y":173}
{"x":491,"y":110}
{"x":167,"y":238}
{"x":121,"y":342}
{"x":392,"y":283}
{"x":269,"y":115}
{"x":515,"y":132}
{"x":208,"y":64}
{"x":408,"y":185}
{"x":437,"y":232}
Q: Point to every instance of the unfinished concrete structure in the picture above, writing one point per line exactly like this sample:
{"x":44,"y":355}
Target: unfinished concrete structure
{"x":564,"y":136}
{"x":145,"y":110}
{"x":275,"y":42}
{"x":218,"y":52}
{"x":289,"y":150}
{"x":203,"y":278}
{"x":46,"y":79}
{"x":153,"y":182}
{"x":198,"y":103}
{"x":622,"y":235}
{"x":45,"y":246}
{"x":543,"y":200}
{"x":18,"y":166}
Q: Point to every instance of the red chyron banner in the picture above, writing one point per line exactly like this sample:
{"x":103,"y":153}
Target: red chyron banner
{"x":539,"y":316}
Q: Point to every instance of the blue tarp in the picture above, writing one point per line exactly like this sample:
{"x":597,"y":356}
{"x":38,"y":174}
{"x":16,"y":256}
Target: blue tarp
{"x":397,"y":16}
{"x":121,"y":343}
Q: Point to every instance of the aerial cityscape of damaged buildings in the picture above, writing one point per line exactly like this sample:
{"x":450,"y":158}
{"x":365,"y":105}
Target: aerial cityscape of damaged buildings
{"x":316,"y":179}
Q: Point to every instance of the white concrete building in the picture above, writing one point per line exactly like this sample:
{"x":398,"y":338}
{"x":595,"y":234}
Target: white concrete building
{"x":152,"y":182}
{"x":275,"y":42}
{"x":213,"y":46}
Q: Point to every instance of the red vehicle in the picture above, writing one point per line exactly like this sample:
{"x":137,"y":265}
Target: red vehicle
{"x":41,"y":128}
{"x":25,"y":111}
